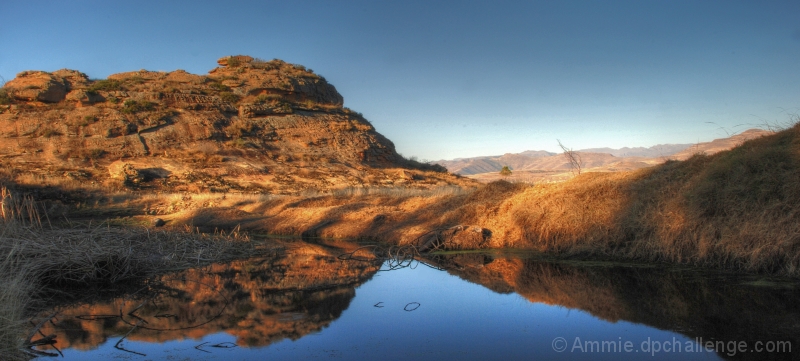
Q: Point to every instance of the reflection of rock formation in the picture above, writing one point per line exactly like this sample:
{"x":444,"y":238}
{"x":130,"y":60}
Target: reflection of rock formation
{"x":260,"y":301}
{"x":711,"y":306}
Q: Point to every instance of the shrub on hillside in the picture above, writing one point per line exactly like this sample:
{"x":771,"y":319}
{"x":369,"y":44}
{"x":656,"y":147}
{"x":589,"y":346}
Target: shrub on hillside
{"x":219,"y":87}
{"x":134,"y":106}
{"x":234,"y":62}
{"x":273,"y":64}
{"x":104,"y":85}
{"x":5,"y":98}
{"x":230,"y":97}
{"x":267,"y":98}
{"x":135,"y":80}
{"x":50,"y":132}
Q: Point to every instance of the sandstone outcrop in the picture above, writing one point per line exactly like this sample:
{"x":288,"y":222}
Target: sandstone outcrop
{"x":249,"y":125}
{"x":37,"y":85}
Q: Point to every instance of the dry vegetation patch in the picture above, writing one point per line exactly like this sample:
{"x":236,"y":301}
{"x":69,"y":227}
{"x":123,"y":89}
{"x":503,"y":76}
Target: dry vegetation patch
{"x":35,"y":257}
{"x":734,"y":210}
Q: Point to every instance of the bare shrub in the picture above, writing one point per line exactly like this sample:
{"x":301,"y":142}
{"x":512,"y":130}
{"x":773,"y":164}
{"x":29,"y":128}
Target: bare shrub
{"x":573,"y":157}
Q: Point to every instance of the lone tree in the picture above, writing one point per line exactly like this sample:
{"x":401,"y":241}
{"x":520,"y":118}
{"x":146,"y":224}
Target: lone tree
{"x":506,"y":171}
{"x":574,"y":159}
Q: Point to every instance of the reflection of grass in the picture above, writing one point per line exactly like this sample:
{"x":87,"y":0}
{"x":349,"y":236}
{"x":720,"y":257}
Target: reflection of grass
{"x":770,"y":283}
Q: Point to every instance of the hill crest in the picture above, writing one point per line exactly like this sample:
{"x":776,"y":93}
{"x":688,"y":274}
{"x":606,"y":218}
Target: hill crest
{"x":248,"y":125}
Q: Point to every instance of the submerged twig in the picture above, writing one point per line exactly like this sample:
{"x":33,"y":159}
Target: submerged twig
{"x":36,"y":329}
{"x":118,"y":347}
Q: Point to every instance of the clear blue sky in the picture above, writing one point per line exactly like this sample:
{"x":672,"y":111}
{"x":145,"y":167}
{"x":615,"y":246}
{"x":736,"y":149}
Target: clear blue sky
{"x":461,"y":78}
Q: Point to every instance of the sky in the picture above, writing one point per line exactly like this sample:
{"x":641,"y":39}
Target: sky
{"x":449,"y":79}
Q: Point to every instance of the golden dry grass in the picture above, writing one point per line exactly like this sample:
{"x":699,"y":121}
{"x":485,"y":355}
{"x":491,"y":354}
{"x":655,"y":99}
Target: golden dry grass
{"x":735,"y":210}
{"x":738,"y":209}
{"x":34,"y":256}
{"x":15,"y":296}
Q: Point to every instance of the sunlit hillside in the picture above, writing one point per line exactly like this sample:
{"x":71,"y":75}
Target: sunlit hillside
{"x":736,"y":209}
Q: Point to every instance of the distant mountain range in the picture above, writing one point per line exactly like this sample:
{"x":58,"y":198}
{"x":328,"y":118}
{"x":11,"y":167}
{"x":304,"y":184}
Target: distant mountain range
{"x":539,"y":164}
{"x":661,"y":150}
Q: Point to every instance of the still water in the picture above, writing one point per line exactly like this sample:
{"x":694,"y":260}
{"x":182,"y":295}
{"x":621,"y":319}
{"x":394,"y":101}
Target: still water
{"x":307,"y":302}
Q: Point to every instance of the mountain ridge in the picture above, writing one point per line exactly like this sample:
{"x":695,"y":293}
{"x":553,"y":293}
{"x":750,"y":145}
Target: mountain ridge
{"x":658,"y":150}
{"x":533,"y":165}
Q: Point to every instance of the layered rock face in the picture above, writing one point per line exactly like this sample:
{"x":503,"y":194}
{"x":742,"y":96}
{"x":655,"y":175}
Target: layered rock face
{"x":249,"y":125}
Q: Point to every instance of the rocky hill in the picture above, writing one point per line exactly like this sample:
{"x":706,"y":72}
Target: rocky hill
{"x":248,"y":125}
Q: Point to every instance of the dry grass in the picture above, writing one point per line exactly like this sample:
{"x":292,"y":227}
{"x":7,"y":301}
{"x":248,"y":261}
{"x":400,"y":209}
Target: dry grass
{"x":103,"y":254}
{"x":15,"y":296}
{"x":16,"y":214}
{"x":734,"y":210}
{"x":34,"y":257}
{"x":108,"y":255}
{"x":400,"y":192}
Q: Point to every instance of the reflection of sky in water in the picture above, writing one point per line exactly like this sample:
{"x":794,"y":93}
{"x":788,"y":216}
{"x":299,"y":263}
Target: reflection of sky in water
{"x":456,"y":320}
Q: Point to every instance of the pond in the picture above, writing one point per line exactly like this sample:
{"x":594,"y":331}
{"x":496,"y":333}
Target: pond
{"x":309,"y":302}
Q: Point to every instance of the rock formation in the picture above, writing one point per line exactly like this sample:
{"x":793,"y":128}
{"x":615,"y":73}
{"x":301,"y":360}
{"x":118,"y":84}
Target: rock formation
{"x":249,"y":125}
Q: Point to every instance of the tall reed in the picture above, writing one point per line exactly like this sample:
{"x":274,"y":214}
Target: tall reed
{"x":16,"y":215}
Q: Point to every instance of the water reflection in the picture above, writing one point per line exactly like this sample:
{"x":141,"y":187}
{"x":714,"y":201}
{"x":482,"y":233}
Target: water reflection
{"x":306,"y":287}
{"x":289,"y":294}
{"x":704,"y":305}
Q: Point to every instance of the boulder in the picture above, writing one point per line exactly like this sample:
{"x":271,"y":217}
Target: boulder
{"x":404,"y":174}
{"x":73,"y":78}
{"x":457,"y":237}
{"x":37,"y":85}
{"x":124,"y":171}
{"x":84,"y":97}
